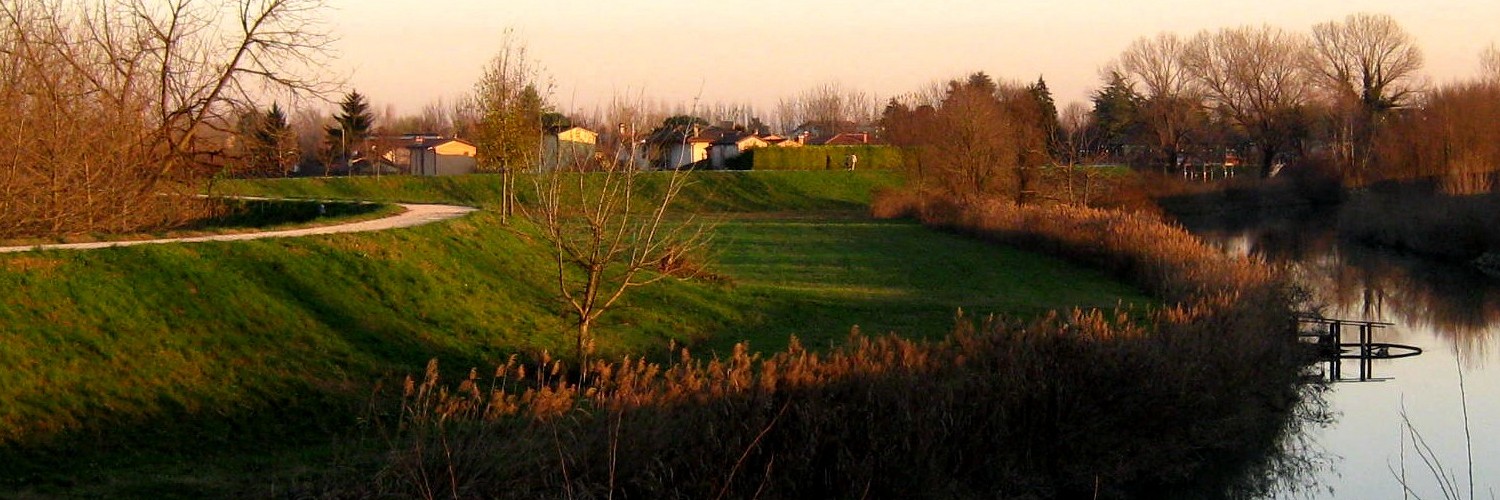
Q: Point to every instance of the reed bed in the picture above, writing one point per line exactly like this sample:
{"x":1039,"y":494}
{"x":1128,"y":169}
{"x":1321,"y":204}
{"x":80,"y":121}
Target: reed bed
{"x":1186,"y":399}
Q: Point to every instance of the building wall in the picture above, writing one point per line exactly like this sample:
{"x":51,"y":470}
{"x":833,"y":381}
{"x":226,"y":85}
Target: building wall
{"x":680,"y":155}
{"x":578,"y":135}
{"x":430,"y":163}
{"x":565,"y":153}
{"x":455,"y":148}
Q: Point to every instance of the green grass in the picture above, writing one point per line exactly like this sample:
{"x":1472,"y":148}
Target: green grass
{"x":162,"y":357}
{"x":708,"y":192}
{"x":815,"y":278}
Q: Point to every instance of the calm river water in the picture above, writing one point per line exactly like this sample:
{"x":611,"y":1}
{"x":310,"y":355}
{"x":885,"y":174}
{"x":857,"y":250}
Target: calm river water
{"x":1378,"y":427}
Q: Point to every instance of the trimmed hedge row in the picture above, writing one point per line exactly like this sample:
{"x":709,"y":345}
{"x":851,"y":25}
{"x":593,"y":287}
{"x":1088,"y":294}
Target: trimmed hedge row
{"x":817,"y":158}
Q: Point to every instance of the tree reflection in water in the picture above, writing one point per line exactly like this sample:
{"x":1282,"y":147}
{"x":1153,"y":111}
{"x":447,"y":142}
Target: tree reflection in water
{"x":1448,"y":309}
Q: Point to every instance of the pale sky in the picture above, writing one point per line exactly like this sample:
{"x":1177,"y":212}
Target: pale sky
{"x":411,"y":53}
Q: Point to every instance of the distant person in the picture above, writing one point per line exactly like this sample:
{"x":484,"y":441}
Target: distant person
{"x":827,"y":162}
{"x":851,"y":161}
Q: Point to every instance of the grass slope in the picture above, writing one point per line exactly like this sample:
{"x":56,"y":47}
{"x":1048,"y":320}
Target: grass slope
{"x":708,"y":192}
{"x":150,"y":358}
{"x":817,"y":277}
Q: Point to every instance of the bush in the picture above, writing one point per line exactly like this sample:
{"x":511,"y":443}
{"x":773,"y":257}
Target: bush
{"x":818,"y":158}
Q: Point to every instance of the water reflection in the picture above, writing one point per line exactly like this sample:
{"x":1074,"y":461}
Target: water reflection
{"x":1359,"y":282}
{"x":1449,"y":310}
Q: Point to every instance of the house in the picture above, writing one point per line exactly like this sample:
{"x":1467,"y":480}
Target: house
{"x":433,"y":155}
{"x":730,"y":146}
{"x":568,"y":146}
{"x":678,"y":147}
{"x":781,"y":141}
{"x":848,"y":139}
{"x":835,"y":133}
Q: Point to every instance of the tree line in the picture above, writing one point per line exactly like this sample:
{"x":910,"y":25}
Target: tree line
{"x":1346,"y":96}
{"x":116,"y":102}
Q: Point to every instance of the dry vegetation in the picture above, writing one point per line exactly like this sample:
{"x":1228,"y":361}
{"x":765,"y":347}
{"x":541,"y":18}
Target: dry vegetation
{"x":1085,"y":403}
{"x":114,"y":109}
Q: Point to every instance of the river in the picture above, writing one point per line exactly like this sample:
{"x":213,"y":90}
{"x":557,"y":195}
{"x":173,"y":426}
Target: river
{"x":1379,"y":429}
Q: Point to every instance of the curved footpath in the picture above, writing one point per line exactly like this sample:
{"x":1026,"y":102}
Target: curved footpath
{"x":416,"y":214}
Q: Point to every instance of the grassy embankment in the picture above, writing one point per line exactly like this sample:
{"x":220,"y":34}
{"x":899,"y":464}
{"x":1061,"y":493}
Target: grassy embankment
{"x":1184,"y":401}
{"x":230,"y":216}
{"x":149,"y":359}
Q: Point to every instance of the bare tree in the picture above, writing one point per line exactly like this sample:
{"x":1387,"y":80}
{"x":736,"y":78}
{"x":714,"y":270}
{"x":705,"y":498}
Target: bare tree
{"x":1368,"y":65}
{"x":1255,"y":77}
{"x":828,"y":104}
{"x":609,"y":236}
{"x":122,"y":100}
{"x":1489,"y":64}
{"x":310,"y":126}
{"x":1173,"y":106}
{"x":978,"y":140}
{"x":1078,"y":146}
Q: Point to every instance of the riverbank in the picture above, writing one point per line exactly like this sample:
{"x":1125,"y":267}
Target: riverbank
{"x":246,"y":368}
{"x":1185,"y":400}
{"x":1423,"y":218}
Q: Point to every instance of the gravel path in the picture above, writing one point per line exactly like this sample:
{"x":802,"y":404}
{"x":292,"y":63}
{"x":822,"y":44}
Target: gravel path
{"x":415,"y":215}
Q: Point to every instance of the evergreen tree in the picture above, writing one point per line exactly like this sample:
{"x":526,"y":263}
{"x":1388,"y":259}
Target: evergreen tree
{"x":353,"y":129}
{"x":1116,"y":112}
{"x":275,"y":145}
{"x":1046,"y":107}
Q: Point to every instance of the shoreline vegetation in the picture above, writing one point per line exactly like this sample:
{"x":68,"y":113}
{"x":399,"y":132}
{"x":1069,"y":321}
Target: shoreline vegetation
{"x":1190,"y":398}
{"x":231,"y":368}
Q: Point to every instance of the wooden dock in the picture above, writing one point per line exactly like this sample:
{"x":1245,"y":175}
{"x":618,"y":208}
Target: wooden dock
{"x":1327,"y":334}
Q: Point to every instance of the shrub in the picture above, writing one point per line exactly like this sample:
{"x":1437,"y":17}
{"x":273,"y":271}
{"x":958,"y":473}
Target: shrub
{"x":818,"y":158}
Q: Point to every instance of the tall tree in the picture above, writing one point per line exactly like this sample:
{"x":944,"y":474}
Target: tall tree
{"x":352,"y":128}
{"x":270,"y":144}
{"x":146,"y":88}
{"x":1489,"y":64}
{"x":509,"y":106}
{"x":1255,"y":77}
{"x":1046,"y":107}
{"x":1369,"y":65}
{"x":1172,"y":106}
{"x":829,"y":104}
{"x":1116,"y":112}
{"x":977,"y":141}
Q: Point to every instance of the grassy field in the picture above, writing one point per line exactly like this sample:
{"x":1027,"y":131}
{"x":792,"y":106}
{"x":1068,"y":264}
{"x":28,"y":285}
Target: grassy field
{"x":816,"y":277}
{"x":793,"y":191}
{"x":168,"y":358}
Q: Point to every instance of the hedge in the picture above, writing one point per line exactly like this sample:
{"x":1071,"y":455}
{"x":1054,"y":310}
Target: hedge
{"x":816,"y":158}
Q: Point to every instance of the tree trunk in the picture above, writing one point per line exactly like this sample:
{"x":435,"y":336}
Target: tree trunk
{"x":1267,"y":158}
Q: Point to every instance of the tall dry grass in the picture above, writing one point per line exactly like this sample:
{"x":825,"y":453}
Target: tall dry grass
{"x":1076,"y":404}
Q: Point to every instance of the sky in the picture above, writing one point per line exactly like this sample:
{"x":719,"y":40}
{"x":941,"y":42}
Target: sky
{"x":407,"y":54}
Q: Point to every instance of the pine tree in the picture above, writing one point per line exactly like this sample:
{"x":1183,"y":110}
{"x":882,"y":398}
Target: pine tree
{"x":1046,"y":106}
{"x":275,"y":145}
{"x":1116,"y":112}
{"x":353,"y":129}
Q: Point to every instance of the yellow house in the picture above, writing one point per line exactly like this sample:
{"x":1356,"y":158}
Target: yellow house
{"x":439,"y":156}
{"x":568,"y":147}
